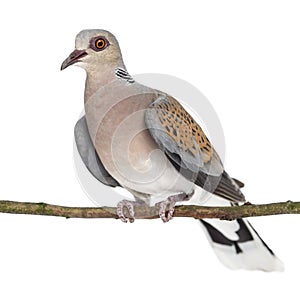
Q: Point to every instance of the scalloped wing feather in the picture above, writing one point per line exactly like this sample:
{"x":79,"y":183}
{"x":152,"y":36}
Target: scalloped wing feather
{"x":176,"y":132}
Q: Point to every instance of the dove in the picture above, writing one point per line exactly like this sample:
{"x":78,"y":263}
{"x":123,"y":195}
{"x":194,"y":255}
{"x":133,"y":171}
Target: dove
{"x":143,"y":140}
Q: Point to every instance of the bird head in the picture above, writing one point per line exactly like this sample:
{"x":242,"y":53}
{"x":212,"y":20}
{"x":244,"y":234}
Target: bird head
{"x":94,"y":49}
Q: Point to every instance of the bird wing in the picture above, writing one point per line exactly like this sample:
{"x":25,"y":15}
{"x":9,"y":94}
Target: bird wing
{"x":89,"y":155}
{"x":185,"y":144}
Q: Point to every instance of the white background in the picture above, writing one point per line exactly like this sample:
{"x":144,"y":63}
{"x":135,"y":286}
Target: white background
{"x":243,"y":55}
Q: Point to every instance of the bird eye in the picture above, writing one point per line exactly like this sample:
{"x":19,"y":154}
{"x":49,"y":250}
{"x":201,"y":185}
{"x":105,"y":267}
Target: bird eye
{"x":99,"y":43}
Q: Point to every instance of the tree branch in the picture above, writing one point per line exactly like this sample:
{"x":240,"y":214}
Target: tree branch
{"x":144,"y":212}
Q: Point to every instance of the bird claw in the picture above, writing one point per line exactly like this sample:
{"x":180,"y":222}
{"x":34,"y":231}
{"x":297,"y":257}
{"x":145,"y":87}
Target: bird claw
{"x":167,"y":207}
{"x":164,"y":214}
{"x":120,"y":211}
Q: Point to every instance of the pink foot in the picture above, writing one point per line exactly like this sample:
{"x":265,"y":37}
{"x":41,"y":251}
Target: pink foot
{"x":120,"y":210}
{"x":167,"y":207}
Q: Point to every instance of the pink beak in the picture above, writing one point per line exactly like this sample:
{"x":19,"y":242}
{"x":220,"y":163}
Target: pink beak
{"x":74,"y":57}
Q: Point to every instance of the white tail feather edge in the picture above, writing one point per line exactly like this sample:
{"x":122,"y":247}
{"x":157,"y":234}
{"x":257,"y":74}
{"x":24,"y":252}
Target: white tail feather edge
{"x":254,"y":256}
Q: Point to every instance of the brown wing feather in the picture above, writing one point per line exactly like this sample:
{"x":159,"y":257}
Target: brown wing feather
{"x":183,"y":129}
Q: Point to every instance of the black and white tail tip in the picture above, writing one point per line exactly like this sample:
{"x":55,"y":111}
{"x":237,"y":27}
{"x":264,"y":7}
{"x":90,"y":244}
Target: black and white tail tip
{"x":238,"y":246}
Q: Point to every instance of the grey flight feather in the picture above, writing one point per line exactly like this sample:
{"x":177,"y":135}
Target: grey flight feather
{"x":89,"y":155}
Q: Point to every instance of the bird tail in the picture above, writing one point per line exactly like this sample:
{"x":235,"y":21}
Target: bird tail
{"x":238,"y":245}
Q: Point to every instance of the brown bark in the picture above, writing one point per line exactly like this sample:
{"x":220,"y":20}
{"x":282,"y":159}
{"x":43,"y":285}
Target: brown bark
{"x":144,"y":212}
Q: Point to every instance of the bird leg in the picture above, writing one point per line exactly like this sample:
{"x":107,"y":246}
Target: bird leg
{"x":129,"y":205}
{"x":167,"y":207}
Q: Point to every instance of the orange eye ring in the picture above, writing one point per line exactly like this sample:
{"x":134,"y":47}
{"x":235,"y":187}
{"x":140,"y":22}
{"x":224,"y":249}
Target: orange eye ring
{"x":100,"y":43}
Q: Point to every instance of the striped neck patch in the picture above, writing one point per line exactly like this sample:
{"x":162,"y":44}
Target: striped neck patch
{"x":123,"y":74}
